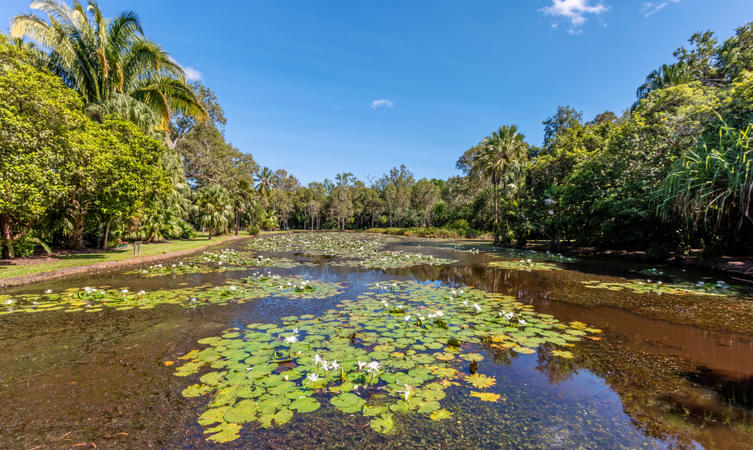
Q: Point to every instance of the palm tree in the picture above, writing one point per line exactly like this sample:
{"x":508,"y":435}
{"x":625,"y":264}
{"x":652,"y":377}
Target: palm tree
{"x":496,"y":155}
{"x":213,"y":206}
{"x":715,"y":178}
{"x":667,"y":75}
{"x":110,"y":62}
{"x":264,"y":179}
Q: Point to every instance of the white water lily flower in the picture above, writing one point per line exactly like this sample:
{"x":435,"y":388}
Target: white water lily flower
{"x":317,"y":360}
{"x":509,"y":315}
{"x":291,"y":339}
{"x":373,"y":366}
{"x":361,"y":365}
{"x":465,"y":302}
{"x":439,"y":313}
{"x":141,"y":293}
{"x":406,"y":392}
{"x":48,"y":291}
{"x":124,"y":291}
{"x":521,"y":322}
{"x":313,"y":377}
{"x":461,"y":292}
{"x":478,"y":308}
{"x":407,"y":318}
{"x":232,"y":288}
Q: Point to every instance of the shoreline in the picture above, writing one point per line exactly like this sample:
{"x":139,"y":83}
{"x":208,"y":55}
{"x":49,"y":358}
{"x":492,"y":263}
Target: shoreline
{"x":738,"y":267}
{"x":55,"y":274}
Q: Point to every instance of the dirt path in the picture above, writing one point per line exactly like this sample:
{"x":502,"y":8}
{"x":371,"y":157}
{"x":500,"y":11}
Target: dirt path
{"x":105,"y":266}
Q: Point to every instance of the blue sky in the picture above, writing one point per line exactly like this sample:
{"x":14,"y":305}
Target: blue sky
{"x":319,"y":88}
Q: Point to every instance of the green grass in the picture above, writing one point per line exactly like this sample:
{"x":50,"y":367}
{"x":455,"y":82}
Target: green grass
{"x":84,"y":259}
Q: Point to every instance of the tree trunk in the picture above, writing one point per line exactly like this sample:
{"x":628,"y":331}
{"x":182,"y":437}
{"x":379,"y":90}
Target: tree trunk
{"x":107,"y":233}
{"x":496,"y":212}
{"x":6,"y":237}
{"x":237,"y":222}
{"x":77,"y":238}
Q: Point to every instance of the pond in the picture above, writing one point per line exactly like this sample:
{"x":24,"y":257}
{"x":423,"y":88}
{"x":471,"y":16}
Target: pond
{"x":339,"y":340}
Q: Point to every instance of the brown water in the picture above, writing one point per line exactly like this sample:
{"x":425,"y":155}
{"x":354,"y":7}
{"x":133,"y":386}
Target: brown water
{"x":100,"y":379}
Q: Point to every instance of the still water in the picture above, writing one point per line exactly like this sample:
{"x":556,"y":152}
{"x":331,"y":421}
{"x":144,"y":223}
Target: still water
{"x":668,"y":371}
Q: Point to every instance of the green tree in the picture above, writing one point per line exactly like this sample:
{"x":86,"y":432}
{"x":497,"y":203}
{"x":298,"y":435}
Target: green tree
{"x":712,"y":184}
{"x":109,"y":62}
{"x":264,"y":179}
{"x":497,"y":155}
{"x":213,"y":209}
{"x":37,"y":112}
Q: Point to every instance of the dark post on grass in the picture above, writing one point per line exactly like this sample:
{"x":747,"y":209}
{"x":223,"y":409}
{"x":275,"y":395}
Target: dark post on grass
{"x":137,"y":247}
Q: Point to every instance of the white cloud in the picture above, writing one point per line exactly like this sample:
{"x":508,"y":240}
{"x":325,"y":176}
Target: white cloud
{"x":574,"y":11}
{"x":651,"y":8}
{"x":192,"y":74}
{"x":382,"y":102}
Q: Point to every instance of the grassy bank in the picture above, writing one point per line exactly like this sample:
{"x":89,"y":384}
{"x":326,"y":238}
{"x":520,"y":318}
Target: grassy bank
{"x":31,"y":266}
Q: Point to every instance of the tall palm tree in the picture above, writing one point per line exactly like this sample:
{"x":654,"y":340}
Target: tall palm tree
{"x":496,"y":155}
{"x":109,"y":62}
{"x":264,"y":179}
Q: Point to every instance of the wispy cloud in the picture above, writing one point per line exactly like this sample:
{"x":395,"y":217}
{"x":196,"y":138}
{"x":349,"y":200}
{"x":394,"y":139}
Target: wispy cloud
{"x":382,"y":102}
{"x":651,"y":8}
{"x":574,"y":11}
{"x":192,"y":74}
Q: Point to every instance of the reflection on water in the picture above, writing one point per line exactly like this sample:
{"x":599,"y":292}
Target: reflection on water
{"x":76,"y":378}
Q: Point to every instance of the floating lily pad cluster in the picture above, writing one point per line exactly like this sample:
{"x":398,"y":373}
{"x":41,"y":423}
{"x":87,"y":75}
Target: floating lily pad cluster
{"x":180,"y":268}
{"x":719,"y":288}
{"x":240,"y":258}
{"x":534,"y":255}
{"x":524,"y":264}
{"x":392,"y":260}
{"x":392,"y":352}
{"x":360,"y":249}
{"x":237,"y":291}
{"x":350,"y":245}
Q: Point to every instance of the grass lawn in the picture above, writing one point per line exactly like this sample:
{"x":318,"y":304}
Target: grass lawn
{"x":82,"y":259}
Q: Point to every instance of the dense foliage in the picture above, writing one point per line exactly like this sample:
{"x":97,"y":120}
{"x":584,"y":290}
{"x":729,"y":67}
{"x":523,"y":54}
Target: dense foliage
{"x":102,"y":139}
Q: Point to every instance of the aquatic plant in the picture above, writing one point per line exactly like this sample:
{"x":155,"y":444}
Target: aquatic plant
{"x":240,"y":258}
{"x":392,"y":351}
{"x":88,"y":299}
{"x":719,"y":288}
{"x":180,"y":268}
{"x":359,"y":249}
{"x":523,"y":264}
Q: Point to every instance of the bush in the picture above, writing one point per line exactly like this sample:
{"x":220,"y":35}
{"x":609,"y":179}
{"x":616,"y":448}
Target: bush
{"x":254,"y":230}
